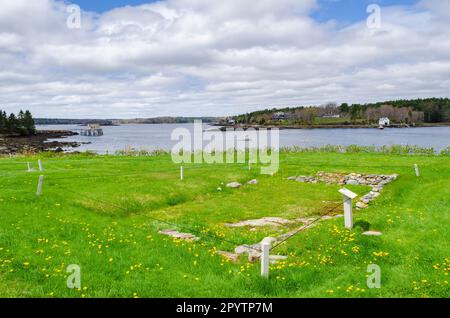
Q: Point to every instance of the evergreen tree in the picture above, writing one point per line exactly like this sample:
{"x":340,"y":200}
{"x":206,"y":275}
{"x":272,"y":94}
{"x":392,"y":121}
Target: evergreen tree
{"x":23,"y":124}
{"x":11,"y":124}
{"x":344,"y":108}
{"x":3,"y":121}
{"x":29,"y":124}
{"x":20,"y":127}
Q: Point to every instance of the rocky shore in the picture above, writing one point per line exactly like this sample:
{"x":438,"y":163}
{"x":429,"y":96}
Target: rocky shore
{"x":37,"y":143}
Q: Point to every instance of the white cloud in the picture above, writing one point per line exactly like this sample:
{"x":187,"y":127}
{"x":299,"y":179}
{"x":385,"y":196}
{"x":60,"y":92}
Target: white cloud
{"x":439,"y":7}
{"x":201,"y":57}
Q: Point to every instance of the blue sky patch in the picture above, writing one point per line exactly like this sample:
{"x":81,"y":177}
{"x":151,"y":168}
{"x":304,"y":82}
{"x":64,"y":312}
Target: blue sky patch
{"x":345,"y":11}
{"x":349,"y":11}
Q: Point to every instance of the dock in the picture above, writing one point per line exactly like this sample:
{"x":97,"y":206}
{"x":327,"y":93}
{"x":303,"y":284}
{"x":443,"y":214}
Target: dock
{"x":92,"y":130}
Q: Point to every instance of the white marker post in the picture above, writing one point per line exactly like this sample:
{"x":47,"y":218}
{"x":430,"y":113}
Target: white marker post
{"x":265,"y":253}
{"x":29,"y":167}
{"x":40,"y":165}
{"x":181,"y":173}
{"x":39,"y":189}
{"x":348,"y":213}
{"x":416,"y":168}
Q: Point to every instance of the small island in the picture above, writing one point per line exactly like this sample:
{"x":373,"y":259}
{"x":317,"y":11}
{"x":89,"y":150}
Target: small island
{"x":18,"y":134}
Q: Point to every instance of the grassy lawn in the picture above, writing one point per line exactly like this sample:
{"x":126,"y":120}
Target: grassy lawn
{"x":104,"y":214}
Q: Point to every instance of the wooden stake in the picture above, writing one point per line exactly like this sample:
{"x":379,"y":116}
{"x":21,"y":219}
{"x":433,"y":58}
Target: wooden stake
{"x":40,"y":165}
{"x":348,"y":213}
{"x":265,"y":252}
{"x":181,"y":173}
{"x":416,"y":168}
{"x":39,"y":189}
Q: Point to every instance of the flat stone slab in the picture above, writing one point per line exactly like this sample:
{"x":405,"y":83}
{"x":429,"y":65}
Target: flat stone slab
{"x":179,"y":235}
{"x":306,"y":220}
{"x":273,"y":259}
{"x":305,"y":179}
{"x":234,"y":185}
{"x":229,"y":256}
{"x":254,"y":249}
{"x":254,"y":181}
{"x":372,"y":233}
{"x":267,"y":221}
{"x":374,"y":194}
{"x":361,"y":205}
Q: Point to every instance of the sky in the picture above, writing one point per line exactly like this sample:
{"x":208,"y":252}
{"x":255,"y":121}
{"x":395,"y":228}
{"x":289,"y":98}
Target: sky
{"x":137,"y":58}
{"x":342,"y":10}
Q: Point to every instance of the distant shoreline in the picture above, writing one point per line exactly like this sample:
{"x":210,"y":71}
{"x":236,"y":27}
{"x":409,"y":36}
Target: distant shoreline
{"x":332,"y":126}
{"x":245,"y":126}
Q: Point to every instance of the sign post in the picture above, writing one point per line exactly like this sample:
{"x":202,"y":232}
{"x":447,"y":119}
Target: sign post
{"x":416,"y":168}
{"x":348,"y":213}
{"x":39,"y":189}
{"x":265,"y":253}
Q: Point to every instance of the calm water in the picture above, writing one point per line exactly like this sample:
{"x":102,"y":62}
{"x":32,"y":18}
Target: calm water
{"x":150,"y":137}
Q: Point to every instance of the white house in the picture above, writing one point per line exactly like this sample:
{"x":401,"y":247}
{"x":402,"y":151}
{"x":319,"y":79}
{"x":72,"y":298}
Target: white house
{"x":231,"y":121}
{"x":331,"y":116}
{"x":384,"y":121}
{"x":279,"y":116}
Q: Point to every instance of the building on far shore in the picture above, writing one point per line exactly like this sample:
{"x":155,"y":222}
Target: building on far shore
{"x":331,"y":116}
{"x":279,"y":116}
{"x":384,"y":121}
{"x":93,"y":130}
{"x":231,"y":121}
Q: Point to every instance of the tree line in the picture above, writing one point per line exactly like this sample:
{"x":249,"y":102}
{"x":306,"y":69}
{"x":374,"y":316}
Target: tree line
{"x":20,"y":124}
{"x":431,"y":110}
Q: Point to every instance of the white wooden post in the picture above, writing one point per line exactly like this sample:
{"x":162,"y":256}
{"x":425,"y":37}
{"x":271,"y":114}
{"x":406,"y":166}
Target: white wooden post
{"x":40,"y":165}
{"x":348,"y":213}
{"x":29,"y":167}
{"x":265,"y":253}
{"x":39,"y":189}
{"x":181,"y":173}
{"x":416,"y":168}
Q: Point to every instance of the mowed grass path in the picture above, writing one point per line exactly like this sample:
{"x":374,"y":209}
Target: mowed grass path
{"x":104,"y":213}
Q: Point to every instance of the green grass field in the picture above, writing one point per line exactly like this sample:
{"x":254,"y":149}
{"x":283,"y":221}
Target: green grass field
{"x":104,"y":214}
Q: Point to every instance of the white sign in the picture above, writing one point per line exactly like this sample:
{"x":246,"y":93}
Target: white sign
{"x":349,"y":194}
